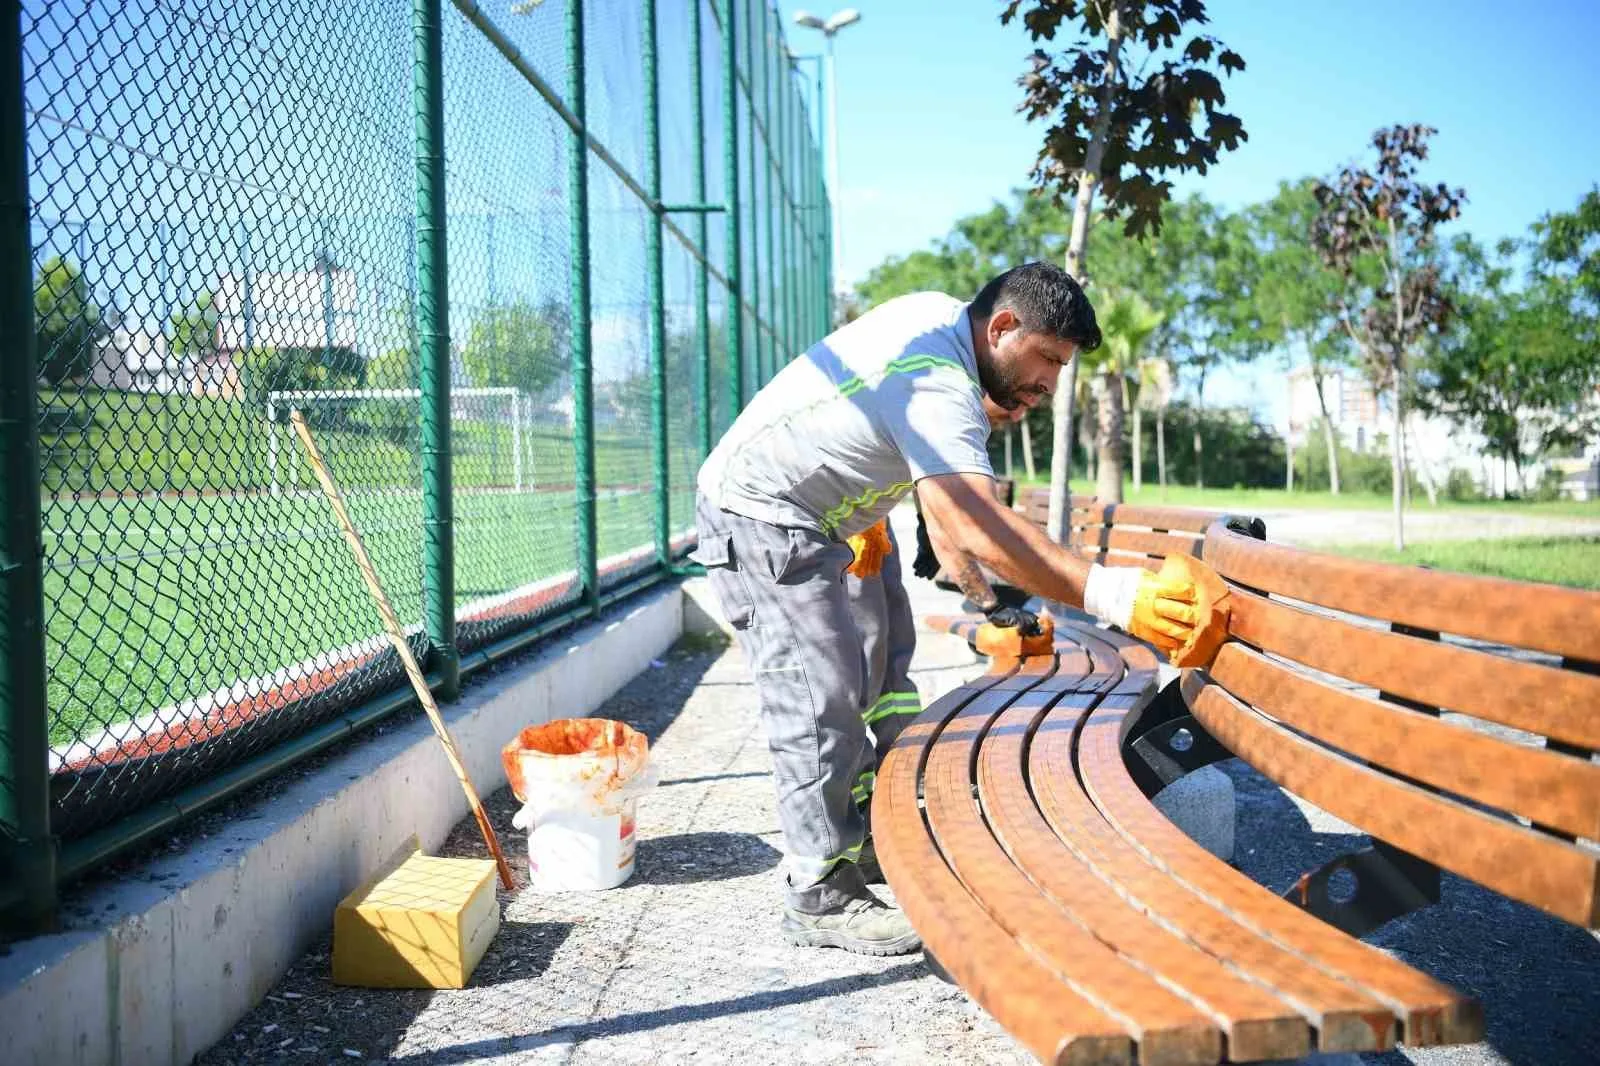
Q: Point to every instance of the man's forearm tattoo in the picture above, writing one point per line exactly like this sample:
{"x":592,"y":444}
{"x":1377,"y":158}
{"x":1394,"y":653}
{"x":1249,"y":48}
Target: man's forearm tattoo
{"x":974,"y":586}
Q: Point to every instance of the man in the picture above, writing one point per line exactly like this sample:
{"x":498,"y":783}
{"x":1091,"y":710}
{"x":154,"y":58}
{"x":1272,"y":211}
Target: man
{"x":881,"y":612}
{"x":890,"y":402}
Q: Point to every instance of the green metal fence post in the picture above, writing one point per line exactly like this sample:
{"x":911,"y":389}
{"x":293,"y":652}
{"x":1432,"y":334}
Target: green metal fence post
{"x":702,"y":293}
{"x":756,"y":347}
{"x":730,"y":172}
{"x":774,"y":184}
{"x":433,"y":335}
{"x":658,"y":326}
{"x":27,"y":850}
{"x":582,"y":356}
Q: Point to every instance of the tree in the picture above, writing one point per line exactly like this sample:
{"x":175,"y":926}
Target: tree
{"x":1127,"y":321}
{"x":518,"y":346}
{"x":1519,"y":365}
{"x":68,"y":324}
{"x":1388,"y":217}
{"x":192,"y":330}
{"x":1297,"y":295}
{"x":1219,"y":319}
{"x":1567,"y":247}
{"x":1124,"y":108}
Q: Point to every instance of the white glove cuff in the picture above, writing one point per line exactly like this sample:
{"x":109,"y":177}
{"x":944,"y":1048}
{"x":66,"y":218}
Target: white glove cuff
{"x":1110,"y":591}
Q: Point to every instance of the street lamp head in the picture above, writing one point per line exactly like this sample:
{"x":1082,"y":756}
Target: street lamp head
{"x":839,"y":21}
{"x":810,"y":21}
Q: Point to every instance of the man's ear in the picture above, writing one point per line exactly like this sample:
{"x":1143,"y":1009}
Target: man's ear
{"x":1001,"y":322}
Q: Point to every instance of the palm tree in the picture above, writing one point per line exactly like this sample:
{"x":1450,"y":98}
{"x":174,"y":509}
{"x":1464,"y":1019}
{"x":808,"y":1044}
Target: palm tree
{"x":1126,"y":321}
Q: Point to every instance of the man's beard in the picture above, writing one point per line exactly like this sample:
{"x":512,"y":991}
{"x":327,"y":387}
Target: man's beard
{"x":1004,"y":389}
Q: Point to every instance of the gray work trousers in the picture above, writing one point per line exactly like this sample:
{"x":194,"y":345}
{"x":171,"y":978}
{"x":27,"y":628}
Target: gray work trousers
{"x":825,"y":652}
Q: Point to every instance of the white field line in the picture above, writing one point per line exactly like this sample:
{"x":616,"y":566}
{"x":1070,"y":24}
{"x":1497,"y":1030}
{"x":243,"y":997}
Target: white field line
{"x":173,"y":716}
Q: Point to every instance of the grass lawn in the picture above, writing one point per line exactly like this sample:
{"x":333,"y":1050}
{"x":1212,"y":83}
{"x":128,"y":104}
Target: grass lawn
{"x":1257,"y":500}
{"x":149,"y":601}
{"x":1557,"y":560}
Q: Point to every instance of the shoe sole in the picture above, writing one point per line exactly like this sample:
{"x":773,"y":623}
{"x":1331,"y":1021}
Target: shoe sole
{"x":832,"y":938}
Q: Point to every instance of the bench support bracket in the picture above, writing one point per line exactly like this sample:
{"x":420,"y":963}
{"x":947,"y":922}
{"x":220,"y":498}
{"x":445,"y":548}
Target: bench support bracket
{"x":1164,"y":742}
{"x":1388,"y":883}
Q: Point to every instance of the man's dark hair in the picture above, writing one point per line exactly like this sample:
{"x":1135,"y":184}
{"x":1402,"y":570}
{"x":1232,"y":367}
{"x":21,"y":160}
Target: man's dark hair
{"x":1046,"y":299}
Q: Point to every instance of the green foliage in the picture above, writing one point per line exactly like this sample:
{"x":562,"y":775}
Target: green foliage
{"x":1519,"y":367}
{"x":517,"y":345}
{"x":68,"y":324}
{"x":192,"y":332}
{"x":1362,"y":472}
{"x":301,"y":369}
{"x":1154,"y":106}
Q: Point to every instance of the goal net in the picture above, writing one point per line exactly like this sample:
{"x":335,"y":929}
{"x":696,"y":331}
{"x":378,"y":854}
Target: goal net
{"x":374,"y":437}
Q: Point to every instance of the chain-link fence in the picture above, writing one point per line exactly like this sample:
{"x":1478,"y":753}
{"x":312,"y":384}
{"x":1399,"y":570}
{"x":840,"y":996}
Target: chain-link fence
{"x":518,"y":262}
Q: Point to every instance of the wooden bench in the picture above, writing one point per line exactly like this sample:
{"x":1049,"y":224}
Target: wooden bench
{"x":1013,"y":819}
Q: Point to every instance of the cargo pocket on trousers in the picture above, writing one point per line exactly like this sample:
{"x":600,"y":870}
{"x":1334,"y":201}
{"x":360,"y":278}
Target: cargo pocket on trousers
{"x":715,"y":553}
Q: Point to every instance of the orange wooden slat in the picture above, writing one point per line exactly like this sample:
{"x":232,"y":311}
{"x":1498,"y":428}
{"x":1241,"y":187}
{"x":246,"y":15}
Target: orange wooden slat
{"x":1430,"y":1012}
{"x":1167,"y":1028}
{"x":1548,"y":618}
{"x":1258,"y":1024}
{"x":1551,"y":874}
{"x":1548,"y":787}
{"x":1047,"y":1017}
{"x":1346,"y":1017}
{"x":1101,"y":538}
{"x":1547,"y":700}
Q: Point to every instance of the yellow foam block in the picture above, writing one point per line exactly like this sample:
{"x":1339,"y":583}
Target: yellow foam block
{"x":426,"y":924}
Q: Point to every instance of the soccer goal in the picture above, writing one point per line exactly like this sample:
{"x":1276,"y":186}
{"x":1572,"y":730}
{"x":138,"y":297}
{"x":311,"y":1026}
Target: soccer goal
{"x":379,"y":431}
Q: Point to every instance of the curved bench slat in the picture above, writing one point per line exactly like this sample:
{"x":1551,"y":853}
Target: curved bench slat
{"x":1257,"y":1023}
{"x":1547,"y":700}
{"x":1169,"y":1030}
{"x":1138,"y":541}
{"x":1180,"y":519}
{"x":1551,"y":874}
{"x":1547,"y":787}
{"x":1052,"y":1021}
{"x":1548,"y":618}
{"x":1346,"y":1018}
{"x":1430,"y":1012}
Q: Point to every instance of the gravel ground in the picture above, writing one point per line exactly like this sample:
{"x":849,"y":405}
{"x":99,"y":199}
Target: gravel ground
{"x":684,"y":964}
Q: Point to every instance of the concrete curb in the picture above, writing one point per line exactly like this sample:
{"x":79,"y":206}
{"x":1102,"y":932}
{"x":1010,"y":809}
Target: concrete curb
{"x":199,"y":938}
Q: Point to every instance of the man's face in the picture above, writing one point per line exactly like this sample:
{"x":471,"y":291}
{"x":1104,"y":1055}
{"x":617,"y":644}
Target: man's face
{"x":1021,"y":369}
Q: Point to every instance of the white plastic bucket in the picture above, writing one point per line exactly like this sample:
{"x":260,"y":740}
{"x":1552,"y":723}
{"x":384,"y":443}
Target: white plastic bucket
{"x":579,"y":780}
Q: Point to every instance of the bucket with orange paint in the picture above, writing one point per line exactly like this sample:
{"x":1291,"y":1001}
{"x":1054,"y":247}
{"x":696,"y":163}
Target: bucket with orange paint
{"x":579,"y":780}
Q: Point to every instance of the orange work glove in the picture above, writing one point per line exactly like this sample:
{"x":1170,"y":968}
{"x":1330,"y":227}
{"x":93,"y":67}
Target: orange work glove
{"x":1182,"y":609}
{"x":872,"y":545}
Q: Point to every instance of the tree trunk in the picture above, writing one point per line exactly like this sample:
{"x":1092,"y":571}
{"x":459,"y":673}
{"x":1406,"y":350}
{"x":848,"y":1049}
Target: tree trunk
{"x":1161,"y":449}
{"x":1288,"y":449}
{"x":1010,"y":432}
{"x":1108,"y":480}
{"x":1027,"y":448}
{"x":1397,"y":447}
{"x":1199,"y":420}
{"x":1138,"y":449}
{"x":1327,"y":430}
{"x":1060,"y":505}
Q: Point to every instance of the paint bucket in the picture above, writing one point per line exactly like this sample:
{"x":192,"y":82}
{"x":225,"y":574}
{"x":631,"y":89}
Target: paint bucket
{"x":579,"y":780}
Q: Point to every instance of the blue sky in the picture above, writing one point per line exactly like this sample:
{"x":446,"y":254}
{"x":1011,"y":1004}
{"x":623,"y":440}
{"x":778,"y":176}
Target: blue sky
{"x":928,"y":128}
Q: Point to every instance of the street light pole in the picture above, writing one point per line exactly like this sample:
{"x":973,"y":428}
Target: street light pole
{"x":830,"y":28}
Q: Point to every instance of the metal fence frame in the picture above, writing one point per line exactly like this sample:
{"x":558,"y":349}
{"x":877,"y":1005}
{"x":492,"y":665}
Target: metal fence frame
{"x":787,"y":296}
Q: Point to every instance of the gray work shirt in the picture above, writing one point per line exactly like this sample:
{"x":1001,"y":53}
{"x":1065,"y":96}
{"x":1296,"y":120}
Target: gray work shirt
{"x":842,"y":433}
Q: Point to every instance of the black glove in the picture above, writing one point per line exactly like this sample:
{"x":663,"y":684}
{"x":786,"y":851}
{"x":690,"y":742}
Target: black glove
{"x":1019,"y":618}
{"x":926,"y":564}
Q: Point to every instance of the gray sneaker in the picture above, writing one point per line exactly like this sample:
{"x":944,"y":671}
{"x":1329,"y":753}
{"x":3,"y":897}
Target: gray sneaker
{"x":841,"y":912}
